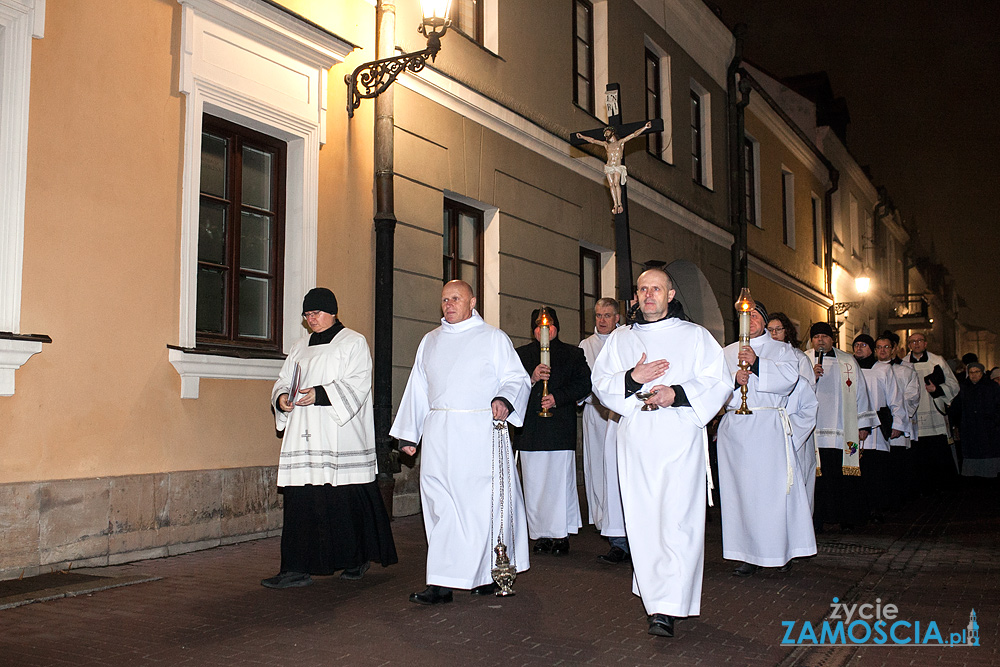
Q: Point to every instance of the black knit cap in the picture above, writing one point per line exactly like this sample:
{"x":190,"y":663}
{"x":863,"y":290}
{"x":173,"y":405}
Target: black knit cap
{"x":760,"y":308}
{"x":866,"y":339}
{"x":552,"y":315}
{"x":821,"y":328}
{"x":319,"y":298}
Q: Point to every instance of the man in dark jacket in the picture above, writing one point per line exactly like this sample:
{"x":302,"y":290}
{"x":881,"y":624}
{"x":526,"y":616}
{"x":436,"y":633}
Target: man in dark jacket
{"x":548,"y":444}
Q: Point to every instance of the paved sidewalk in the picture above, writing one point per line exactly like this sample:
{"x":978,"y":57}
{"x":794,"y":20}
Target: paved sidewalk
{"x":935,"y":561}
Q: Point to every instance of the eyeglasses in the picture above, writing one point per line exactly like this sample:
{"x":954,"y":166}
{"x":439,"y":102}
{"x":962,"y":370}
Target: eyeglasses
{"x":775,"y":329}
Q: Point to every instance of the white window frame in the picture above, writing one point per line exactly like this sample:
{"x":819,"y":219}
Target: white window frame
{"x":666,"y":99}
{"x":250,"y":63}
{"x":817,"y":228}
{"x":788,"y":217}
{"x":758,"y":219}
{"x":20,"y":22}
{"x":491,"y":254}
{"x":855,"y":225}
{"x":705,"y":109}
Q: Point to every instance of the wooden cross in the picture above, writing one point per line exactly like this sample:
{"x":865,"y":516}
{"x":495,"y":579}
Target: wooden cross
{"x":615,"y":172}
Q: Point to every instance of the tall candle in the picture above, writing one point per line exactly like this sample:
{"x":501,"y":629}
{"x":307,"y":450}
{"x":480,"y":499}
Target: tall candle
{"x":745,"y":325}
{"x":544,"y":335}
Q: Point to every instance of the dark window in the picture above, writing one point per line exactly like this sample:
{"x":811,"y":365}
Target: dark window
{"x":696,"y":139}
{"x":241,"y":227}
{"x":654,"y":140}
{"x":467,"y":17}
{"x":750,"y":180}
{"x":788,"y":208}
{"x":463,"y":247}
{"x":818,"y":240}
{"x":590,"y":289}
{"x":583,"y":54}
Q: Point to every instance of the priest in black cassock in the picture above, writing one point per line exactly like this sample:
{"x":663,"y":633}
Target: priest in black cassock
{"x":548,"y":444}
{"x":334,"y":516}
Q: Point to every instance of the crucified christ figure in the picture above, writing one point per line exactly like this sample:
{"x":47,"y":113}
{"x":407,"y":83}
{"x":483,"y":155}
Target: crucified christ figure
{"x":614,"y":169}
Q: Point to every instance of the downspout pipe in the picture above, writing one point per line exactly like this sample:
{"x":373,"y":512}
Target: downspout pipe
{"x":738,"y":97}
{"x":386,"y":458}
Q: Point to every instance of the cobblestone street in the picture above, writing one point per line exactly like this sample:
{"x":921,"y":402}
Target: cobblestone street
{"x":935,"y":561}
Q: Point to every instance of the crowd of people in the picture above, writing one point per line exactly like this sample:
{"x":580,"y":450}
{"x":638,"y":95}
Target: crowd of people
{"x":807,"y":440}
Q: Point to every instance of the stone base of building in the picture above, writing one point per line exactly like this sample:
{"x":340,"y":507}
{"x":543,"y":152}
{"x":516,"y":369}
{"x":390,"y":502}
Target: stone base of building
{"x":54,"y":525}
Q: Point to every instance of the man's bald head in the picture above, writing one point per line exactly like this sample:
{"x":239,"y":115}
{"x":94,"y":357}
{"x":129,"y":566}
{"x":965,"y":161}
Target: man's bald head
{"x":457,"y":301}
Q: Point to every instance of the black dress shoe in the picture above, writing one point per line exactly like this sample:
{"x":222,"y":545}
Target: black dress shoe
{"x":543,"y":545}
{"x":615,"y":556}
{"x":288,"y":580}
{"x":661,"y":625}
{"x":485,"y":589}
{"x":787,"y":567}
{"x":560,"y":547}
{"x":432,"y":595}
{"x":355,"y":573}
{"x":745,"y":570}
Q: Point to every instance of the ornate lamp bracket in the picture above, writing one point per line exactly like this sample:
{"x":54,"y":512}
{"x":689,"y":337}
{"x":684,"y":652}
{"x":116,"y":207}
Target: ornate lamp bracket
{"x":843,"y":306}
{"x":371,"y":79}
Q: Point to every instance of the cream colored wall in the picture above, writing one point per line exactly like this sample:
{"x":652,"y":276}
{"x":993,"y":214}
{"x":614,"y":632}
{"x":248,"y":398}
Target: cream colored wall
{"x":767,"y":241}
{"x":101,"y":251}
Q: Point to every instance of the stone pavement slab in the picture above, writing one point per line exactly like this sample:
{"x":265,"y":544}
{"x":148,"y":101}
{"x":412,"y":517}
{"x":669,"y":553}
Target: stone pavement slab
{"x":935,"y":561}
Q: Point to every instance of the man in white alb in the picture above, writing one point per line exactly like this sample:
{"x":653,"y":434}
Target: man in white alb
{"x":600,"y":447}
{"x":465,"y":376}
{"x":766,"y":519}
{"x":663,"y":453}
{"x":911,"y":388}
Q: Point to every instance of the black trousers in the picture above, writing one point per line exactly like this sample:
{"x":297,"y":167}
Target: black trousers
{"x":933,"y":463}
{"x":839,"y":497}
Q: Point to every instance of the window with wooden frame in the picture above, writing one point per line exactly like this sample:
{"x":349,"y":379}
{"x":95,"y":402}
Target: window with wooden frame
{"x":241,"y":227}
{"x":788,"y":208}
{"x":467,"y":17}
{"x":654,"y":102}
{"x":817,"y":225}
{"x":696,"y":138}
{"x":463,"y":247}
{"x":750,"y":180}
{"x":590,"y":289}
{"x":583,"y":54}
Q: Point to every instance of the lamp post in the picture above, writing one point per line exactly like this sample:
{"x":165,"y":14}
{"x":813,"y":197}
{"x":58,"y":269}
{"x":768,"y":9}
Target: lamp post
{"x":375,"y":78}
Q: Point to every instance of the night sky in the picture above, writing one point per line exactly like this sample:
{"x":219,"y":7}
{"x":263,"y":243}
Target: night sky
{"x":921,"y":83}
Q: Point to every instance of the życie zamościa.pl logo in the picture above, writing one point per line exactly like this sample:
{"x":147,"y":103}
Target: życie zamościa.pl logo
{"x":875,"y":624}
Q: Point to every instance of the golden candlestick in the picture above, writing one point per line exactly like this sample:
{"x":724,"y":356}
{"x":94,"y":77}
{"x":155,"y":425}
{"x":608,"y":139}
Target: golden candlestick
{"x":544,"y":321}
{"x":744,"y":306}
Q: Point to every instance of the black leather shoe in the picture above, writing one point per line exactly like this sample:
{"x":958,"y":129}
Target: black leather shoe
{"x":432,"y":595}
{"x":543,"y":545}
{"x":355,"y":573}
{"x":745,"y":570}
{"x":485,"y":589}
{"x":787,"y":567}
{"x":661,"y":625}
{"x":288,"y":580}
{"x":615,"y":556}
{"x":560,"y":547}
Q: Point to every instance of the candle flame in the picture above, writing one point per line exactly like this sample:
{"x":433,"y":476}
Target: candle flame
{"x":745,"y":303}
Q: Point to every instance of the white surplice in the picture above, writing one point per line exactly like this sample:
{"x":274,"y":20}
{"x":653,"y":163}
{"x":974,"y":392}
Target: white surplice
{"x":931,"y":411}
{"x":597,"y":419}
{"x":802,"y":410}
{"x":766,"y":517}
{"x":884,"y":392}
{"x":841,"y":367}
{"x":662,"y":459}
{"x":458,"y":371}
{"x":910,"y":387}
{"x":328,"y":444}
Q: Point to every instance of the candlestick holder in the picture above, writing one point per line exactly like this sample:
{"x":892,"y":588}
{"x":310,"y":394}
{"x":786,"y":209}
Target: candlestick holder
{"x":744,"y":306}
{"x":743,"y":409}
{"x":543,"y":322}
{"x":545,"y":392}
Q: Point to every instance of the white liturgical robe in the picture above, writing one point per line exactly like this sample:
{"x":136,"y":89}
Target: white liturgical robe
{"x":597,"y":422}
{"x":766,"y":515}
{"x":910,"y":388}
{"x":883,"y":392}
{"x":458,"y":371}
{"x":932,"y":409}
{"x":662,"y":458}
{"x":830,"y":429}
{"x":328,"y":444}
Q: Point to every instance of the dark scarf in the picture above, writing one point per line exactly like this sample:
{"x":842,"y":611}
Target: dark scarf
{"x":867,"y":362}
{"x":895,"y":360}
{"x":324,"y":337}
{"x":674,"y":309}
{"x":914,"y":360}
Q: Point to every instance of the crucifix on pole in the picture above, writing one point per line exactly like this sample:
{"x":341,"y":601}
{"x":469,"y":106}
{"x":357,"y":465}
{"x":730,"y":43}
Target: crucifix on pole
{"x":613,"y":138}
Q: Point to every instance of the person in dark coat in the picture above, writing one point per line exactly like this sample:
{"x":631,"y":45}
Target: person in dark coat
{"x":548,"y":444}
{"x":976,"y":411}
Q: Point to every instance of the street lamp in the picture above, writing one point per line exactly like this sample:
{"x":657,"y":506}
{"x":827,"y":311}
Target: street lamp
{"x":374,"y":77}
{"x":861,"y":285}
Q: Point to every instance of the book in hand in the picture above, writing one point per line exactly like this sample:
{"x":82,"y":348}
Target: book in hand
{"x":296,"y":384}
